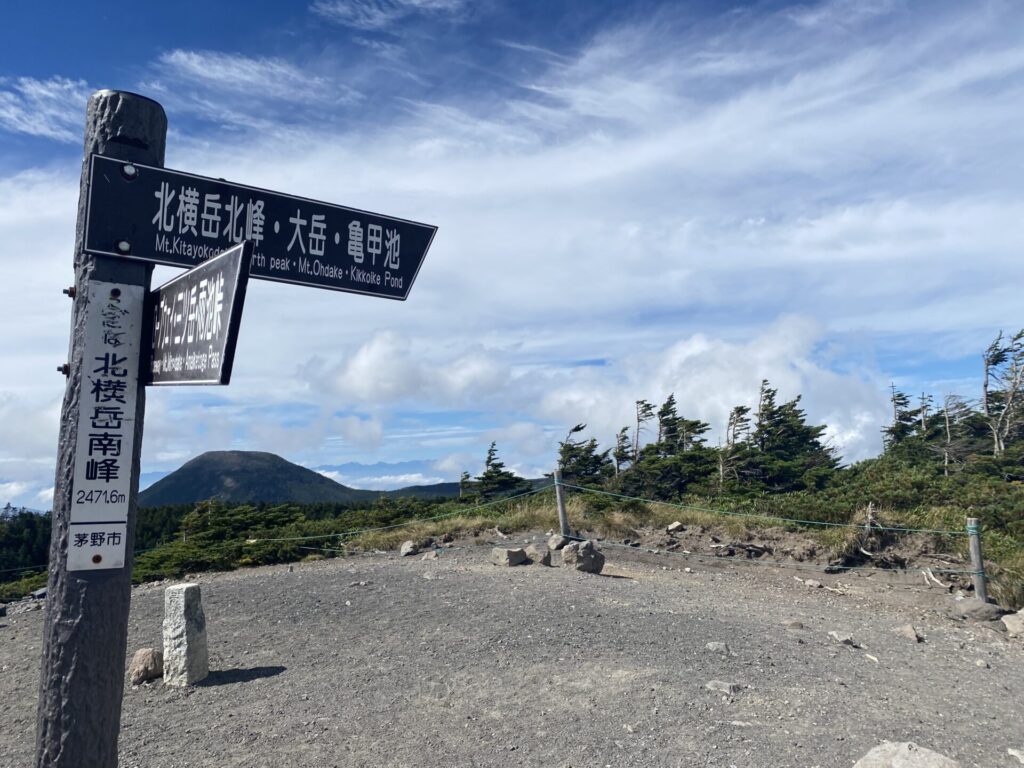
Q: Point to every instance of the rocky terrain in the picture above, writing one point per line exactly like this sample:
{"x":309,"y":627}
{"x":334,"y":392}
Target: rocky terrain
{"x":380,"y":660}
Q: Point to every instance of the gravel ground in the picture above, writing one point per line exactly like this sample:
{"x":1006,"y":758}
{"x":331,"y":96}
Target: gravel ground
{"x":375,"y":660}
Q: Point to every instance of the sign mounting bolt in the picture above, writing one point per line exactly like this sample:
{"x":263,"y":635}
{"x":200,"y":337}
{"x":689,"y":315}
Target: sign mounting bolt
{"x":64,"y":368}
{"x":69,"y":292}
{"x":129,"y":171}
{"x":123,"y":246}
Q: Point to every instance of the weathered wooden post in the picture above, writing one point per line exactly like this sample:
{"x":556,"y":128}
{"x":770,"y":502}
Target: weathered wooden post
{"x":89,"y":591}
{"x":563,"y":517}
{"x":977,"y":564}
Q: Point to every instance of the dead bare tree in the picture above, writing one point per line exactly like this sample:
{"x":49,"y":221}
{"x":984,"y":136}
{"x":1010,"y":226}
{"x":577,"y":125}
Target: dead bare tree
{"x":1003,"y":387}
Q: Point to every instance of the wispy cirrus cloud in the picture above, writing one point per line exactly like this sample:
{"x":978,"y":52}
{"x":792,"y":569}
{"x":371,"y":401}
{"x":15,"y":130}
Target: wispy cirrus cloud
{"x":376,"y":15}
{"x":247,"y":92}
{"x":51,"y":108}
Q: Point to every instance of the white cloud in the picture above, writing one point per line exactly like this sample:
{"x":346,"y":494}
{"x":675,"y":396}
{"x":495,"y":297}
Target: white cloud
{"x":53,"y":108}
{"x":375,"y":15}
{"x":382,"y":482}
{"x":699,"y":205}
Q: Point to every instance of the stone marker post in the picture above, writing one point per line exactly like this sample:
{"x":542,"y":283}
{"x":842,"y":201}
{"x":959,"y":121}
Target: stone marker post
{"x":85,"y":631}
{"x":186,"y":660}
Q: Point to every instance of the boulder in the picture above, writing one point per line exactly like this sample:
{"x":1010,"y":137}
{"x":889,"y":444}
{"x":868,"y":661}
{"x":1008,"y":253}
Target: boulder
{"x":674,"y":527}
{"x":39,"y":594}
{"x":538,"y":556}
{"x":431,"y":555}
{"x":3,"y":610}
{"x":1014,"y":623}
{"x":557,"y":541}
{"x":973,"y":609}
{"x":509,"y":557}
{"x":904,"y":754}
{"x":583,"y":556}
{"x":408,"y":549}
{"x":146,"y":664}
{"x":186,"y":660}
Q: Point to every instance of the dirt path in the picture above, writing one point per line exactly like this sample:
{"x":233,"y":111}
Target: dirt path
{"x":455,"y":662}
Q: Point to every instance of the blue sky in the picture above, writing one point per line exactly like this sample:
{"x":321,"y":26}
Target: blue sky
{"x":633,"y":199}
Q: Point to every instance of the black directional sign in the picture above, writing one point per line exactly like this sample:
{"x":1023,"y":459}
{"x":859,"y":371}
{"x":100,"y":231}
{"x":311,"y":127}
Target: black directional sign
{"x":169,"y":217}
{"x":195,"y":320}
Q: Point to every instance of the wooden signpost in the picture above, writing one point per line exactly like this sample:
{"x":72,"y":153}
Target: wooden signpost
{"x":132,"y":214}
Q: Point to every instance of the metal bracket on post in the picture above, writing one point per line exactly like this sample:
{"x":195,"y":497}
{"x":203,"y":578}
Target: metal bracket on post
{"x":977,"y":563}
{"x":563,"y":517}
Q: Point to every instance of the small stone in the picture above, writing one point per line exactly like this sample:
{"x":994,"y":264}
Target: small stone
{"x":813,"y":583}
{"x":722,"y":687}
{"x":687,"y":570}
{"x":146,"y":664}
{"x":981,"y":664}
{"x":906,"y":754}
{"x":508,"y":557}
{"x":39,"y":594}
{"x":557,"y":541}
{"x":1017,"y":753}
{"x":538,"y":556}
{"x":910,"y":632}
{"x":408,"y":549}
{"x":431,"y":555}
{"x":291,"y":569}
{"x":676,"y":526}
{"x":793,"y":624}
{"x":843,"y":639}
{"x":1014,"y":623}
{"x":718,"y":648}
{"x":3,"y":610}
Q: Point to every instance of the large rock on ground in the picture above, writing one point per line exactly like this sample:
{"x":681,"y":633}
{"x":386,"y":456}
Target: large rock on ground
{"x":973,"y":609}
{"x":1014,"y":623}
{"x":146,"y":664}
{"x":538,"y":556}
{"x":905,"y":754}
{"x":557,"y":541}
{"x":502,"y":556}
{"x":186,"y":660}
{"x":409,"y":548}
{"x":583,"y":556}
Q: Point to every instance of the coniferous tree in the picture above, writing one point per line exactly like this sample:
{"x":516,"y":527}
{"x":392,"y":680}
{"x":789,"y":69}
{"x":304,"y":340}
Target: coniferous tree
{"x":790,"y":454}
{"x":581,"y":462}
{"x":495,"y":479}
{"x":623,"y":452}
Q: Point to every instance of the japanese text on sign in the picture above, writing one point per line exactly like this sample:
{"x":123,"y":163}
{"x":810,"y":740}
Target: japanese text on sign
{"x":106,"y":427}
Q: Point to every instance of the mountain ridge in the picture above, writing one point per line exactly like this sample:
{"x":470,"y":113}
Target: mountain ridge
{"x":247,"y":477}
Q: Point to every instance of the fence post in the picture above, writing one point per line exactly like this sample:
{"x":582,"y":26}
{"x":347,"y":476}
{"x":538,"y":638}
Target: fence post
{"x":977,"y":564}
{"x":563,"y":517}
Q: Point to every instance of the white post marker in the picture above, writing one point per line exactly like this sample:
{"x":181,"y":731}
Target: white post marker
{"x":98,"y":520}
